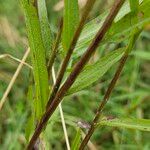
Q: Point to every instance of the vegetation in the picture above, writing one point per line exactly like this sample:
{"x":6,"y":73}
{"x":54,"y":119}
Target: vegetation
{"x":74,"y":75}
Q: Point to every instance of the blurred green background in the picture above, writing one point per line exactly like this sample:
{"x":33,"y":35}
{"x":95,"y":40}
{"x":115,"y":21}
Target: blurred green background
{"x":129,"y":99}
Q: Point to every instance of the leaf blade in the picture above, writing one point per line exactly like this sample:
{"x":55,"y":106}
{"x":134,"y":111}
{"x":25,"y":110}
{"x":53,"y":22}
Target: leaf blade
{"x":91,"y":73}
{"x":139,"y":124}
{"x":71,"y":19}
{"x":37,"y":55}
{"x":44,"y":24}
{"x":119,"y":31}
{"x":134,"y":5}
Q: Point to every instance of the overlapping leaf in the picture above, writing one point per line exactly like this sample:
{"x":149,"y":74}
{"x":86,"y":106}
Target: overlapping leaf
{"x":120,"y":29}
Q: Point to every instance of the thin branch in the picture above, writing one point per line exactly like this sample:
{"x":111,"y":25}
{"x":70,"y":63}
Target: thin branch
{"x":76,"y":70}
{"x":14,"y":78}
{"x":110,"y":89}
{"x":65,"y":62}
{"x":62,"y":115}
{"x":54,"y":50}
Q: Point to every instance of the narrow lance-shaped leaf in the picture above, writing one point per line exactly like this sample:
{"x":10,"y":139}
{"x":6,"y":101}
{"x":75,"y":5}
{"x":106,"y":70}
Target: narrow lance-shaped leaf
{"x":92,"y":73}
{"x":119,"y":31}
{"x":139,"y":124}
{"x":71,"y":19}
{"x":38,"y":55}
{"x":45,"y":27}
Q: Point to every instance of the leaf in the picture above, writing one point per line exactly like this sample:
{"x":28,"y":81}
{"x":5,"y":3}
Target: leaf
{"x":123,"y":27}
{"x":92,"y":73}
{"x":134,"y":5}
{"x":45,"y":27}
{"x":71,"y":19}
{"x":142,"y":54}
{"x":30,"y":121}
{"x":127,"y":8}
{"x":77,"y":140}
{"x":119,"y":31}
{"x":38,"y":55}
{"x":136,"y":124}
{"x":29,"y":128}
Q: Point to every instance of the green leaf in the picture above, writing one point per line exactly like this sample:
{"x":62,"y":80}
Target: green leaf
{"x":134,"y":5}
{"x":127,"y":8}
{"x":30,"y":121}
{"x":119,"y":31}
{"x":71,"y":19}
{"x":136,"y":124}
{"x":77,"y":140}
{"x":142,"y":54}
{"x":45,"y":27}
{"x":29,"y":128}
{"x":38,"y":55}
{"x":122,"y":29}
{"x":92,"y":73}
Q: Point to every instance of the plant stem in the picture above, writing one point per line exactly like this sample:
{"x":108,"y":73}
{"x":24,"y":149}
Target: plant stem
{"x":103,"y":103}
{"x":76,"y":70}
{"x":55,"y":48}
{"x":110,"y":89}
{"x":65,"y":62}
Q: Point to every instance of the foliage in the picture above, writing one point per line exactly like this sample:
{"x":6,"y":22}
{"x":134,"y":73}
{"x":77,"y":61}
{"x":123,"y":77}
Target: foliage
{"x":38,"y":55}
{"x":128,"y":105}
{"x":71,"y":19}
